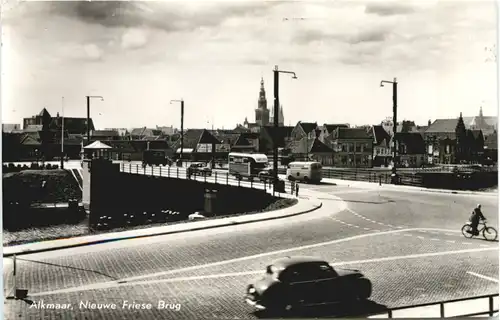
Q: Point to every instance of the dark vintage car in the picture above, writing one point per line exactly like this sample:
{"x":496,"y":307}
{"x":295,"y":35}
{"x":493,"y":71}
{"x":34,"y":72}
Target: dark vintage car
{"x":199,"y":169}
{"x":266,"y":175}
{"x":293,"y":282}
{"x":155,"y":158}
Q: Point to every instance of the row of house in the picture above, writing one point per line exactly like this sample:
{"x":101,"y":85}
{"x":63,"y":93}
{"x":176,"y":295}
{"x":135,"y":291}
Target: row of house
{"x":343,"y":146}
{"x":331,"y":144}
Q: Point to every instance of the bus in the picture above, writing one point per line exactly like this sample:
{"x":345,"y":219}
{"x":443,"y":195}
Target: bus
{"x":246,"y":164}
{"x":304,"y":171}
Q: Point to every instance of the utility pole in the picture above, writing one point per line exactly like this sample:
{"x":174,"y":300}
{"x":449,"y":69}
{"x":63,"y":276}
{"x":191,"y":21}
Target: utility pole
{"x":276,"y":73}
{"x":182,"y":125}
{"x":62,"y":134}
{"x":275,"y":120}
{"x":394,"y":114}
{"x":88,"y":115}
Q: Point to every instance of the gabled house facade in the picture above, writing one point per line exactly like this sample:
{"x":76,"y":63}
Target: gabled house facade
{"x":304,"y":129}
{"x":311,"y":149}
{"x":353,"y":147}
{"x":382,"y":146}
{"x":199,"y":144}
{"x":327,"y":129}
{"x":410,"y":148}
{"x":450,"y":141}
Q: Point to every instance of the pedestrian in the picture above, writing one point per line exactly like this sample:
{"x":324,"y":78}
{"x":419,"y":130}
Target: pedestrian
{"x":296,"y":189}
{"x":293,"y":187}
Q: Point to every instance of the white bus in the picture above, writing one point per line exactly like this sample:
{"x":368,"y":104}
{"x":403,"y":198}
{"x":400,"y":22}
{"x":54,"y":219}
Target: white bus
{"x":246,"y":164}
{"x":304,"y":171}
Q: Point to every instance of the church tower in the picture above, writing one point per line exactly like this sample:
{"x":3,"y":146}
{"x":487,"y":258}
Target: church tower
{"x":281,"y":118}
{"x":262,"y":112}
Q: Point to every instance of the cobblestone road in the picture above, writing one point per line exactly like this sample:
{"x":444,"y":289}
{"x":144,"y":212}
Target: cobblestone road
{"x":409,"y":245}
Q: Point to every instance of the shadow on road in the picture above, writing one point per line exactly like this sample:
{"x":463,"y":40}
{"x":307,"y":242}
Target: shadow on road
{"x":354,"y":309}
{"x":69,"y":267}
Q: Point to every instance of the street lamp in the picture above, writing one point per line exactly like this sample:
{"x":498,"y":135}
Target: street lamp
{"x":277,"y":72}
{"x":88,"y":115}
{"x":182,"y":125}
{"x":62,"y":134}
{"x":395,"y":113}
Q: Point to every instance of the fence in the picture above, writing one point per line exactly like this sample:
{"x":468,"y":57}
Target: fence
{"x":218,"y":177}
{"x":368,"y":175}
{"x":447,"y":308}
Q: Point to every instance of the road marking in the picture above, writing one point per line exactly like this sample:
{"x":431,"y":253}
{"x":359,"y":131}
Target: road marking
{"x":482,"y":277}
{"x":366,"y":228}
{"x":466,"y":243}
{"x":112,"y":284}
{"x":420,"y":237}
{"x":261,"y":255}
{"x":407,"y":235}
{"x":450,"y":241}
{"x":447,"y":234}
{"x":434,"y":239}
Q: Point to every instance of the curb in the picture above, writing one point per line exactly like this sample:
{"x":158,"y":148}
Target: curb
{"x":224,"y":223}
{"x":403,"y":187}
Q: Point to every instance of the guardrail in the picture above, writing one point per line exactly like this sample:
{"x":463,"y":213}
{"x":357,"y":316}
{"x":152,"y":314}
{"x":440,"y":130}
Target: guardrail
{"x":406,"y":178}
{"x":459,"y":304}
{"x":218,"y":177}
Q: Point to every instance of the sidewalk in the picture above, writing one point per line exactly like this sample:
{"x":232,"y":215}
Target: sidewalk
{"x":303,"y":206}
{"x":374,"y":185}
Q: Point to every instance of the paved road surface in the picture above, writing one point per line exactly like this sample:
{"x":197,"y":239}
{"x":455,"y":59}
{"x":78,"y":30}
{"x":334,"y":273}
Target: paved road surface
{"x":407,"y":243}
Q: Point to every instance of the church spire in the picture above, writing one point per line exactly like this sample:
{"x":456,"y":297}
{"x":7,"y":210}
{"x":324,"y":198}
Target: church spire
{"x":480,"y":111}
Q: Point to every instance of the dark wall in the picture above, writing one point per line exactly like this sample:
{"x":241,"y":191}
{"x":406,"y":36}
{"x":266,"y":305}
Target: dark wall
{"x":461,"y":181}
{"x":115,"y":193}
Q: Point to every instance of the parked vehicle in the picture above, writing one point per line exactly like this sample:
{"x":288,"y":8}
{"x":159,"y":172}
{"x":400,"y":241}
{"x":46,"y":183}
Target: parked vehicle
{"x":266,"y":175}
{"x":155,"y":158}
{"x":246,"y":164}
{"x":299,"y":281}
{"x":199,"y":169}
{"x":305,"y":171}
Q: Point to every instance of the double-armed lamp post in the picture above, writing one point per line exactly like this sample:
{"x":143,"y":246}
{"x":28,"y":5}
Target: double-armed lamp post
{"x":394,"y":117}
{"x":88,"y":115}
{"x":182,"y":125}
{"x":276,"y":73}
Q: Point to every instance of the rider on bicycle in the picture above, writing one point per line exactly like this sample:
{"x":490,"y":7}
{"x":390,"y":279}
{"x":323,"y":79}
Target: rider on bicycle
{"x":475,"y":217}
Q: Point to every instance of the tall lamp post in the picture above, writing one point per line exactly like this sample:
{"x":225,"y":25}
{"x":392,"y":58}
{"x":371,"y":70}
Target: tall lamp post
{"x":182,"y":125}
{"x":276,"y":73}
{"x":394,"y":117}
{"x":62,"y":134}
{"x":88,"y":115}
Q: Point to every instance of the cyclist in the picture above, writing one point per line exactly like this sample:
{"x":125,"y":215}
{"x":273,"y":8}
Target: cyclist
{"x":475,"y":217}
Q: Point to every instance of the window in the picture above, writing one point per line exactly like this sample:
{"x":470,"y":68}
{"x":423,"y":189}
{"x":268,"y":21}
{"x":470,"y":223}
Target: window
{"x":344,"y":160}
{"x":358,"y":147}
{"x":344,"y":147}
{"x":365,"y":160}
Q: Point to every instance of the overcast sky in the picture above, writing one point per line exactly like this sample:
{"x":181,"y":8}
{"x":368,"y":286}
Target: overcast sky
{"x":140,"y":55}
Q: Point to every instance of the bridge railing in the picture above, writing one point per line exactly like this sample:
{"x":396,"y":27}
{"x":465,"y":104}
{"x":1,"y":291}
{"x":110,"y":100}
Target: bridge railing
{"x":485,"y":305}
{"x":218,"y":177}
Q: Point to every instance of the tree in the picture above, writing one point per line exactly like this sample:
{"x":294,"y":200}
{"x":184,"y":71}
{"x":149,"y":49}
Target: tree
{"x":461,"y":139}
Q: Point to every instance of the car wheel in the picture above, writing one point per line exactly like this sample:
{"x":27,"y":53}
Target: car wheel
{"x":364,"y":289}
{"x":290,"y":178}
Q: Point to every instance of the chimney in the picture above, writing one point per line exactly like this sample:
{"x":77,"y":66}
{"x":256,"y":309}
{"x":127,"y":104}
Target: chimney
{"x":429,"y":122}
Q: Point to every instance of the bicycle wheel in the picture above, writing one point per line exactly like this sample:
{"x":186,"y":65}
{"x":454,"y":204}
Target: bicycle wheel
{"x":467,"y":231}
{"x":490,"y":234}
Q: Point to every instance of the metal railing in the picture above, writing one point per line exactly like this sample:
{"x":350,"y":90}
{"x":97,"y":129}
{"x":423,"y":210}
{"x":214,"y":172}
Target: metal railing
{"x":442,"y":304}
{"x":216,"y":176}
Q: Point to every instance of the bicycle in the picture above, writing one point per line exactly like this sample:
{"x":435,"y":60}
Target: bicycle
{"x":489,"y":233}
